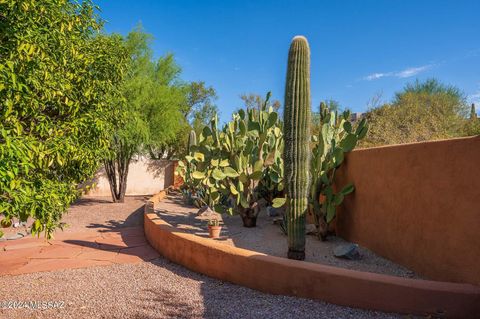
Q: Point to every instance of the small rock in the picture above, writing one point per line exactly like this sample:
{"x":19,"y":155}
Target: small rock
{"x":16,"y":236}
{"x":278,"y":220}
{"x":347,"y":251}
{"x":311,"y":229}
{"x":272,"y":211}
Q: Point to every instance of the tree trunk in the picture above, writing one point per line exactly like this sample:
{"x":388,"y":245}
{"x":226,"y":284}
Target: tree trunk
{"x":117,"y":173}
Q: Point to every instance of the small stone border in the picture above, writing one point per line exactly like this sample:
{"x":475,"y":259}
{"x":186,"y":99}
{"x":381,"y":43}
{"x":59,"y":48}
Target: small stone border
{"x":283,"y":276}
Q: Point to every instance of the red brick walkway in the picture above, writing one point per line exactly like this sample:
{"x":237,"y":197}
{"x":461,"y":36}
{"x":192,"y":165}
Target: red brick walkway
{"x":75,"y":250}
{"x":78,"y":248}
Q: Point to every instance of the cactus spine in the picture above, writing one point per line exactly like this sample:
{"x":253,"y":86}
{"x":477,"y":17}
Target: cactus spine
{"x":297,"y":137}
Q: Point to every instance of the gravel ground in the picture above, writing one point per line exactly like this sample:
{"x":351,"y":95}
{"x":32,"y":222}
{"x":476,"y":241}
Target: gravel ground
{"x":157,"y":289}
{"x":268,"y":238}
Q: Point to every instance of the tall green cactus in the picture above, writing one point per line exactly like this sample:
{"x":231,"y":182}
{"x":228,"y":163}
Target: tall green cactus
{"x":192,"y":141}
{"x":297,"y":137}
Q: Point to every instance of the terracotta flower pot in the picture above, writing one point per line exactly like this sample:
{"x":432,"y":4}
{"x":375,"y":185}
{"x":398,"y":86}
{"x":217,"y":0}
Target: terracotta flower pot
{"x":214,"y":231}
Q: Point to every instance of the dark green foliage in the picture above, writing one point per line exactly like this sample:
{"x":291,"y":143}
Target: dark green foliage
{"x":297,"y":137}
{"x":58,"y":76}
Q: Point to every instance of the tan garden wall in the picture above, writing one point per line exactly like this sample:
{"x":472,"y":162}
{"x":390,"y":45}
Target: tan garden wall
{"x":418,"y":205}
{"x":145,"y":177}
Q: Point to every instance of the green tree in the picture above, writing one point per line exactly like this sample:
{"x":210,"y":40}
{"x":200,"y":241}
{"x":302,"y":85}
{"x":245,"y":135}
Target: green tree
{"x":58,"y":75}
{"x":256,"y":101}
{"x":126,"y":142}
{"x":423,"y":111}
{"x":198,"y":110}
{"x":153,"y":100}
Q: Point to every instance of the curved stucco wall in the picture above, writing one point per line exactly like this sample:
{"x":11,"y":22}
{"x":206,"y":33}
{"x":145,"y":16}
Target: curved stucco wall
{"x":303,"y":279}
{"x":418,"y":205}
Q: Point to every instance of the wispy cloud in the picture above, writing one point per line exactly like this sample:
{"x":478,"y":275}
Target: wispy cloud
{"x":408,"y":72}
{"x":412,"y":71}
{"x":475,"y":98}
{"x":376,"y":76}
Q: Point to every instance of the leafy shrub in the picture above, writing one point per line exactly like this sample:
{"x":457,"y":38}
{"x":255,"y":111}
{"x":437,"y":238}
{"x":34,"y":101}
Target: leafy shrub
{"x":58,"y":76}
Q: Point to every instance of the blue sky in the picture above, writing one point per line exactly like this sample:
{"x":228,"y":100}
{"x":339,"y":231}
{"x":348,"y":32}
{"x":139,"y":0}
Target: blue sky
{"x":359,"y":49}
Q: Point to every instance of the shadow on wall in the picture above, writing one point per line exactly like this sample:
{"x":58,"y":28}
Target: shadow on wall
{"x":161,"y":169}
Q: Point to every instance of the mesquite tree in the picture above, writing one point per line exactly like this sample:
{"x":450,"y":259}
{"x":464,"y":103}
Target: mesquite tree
{"x":150,"y":111}
{"x":297,"y":138}
{"x":125,"y":144}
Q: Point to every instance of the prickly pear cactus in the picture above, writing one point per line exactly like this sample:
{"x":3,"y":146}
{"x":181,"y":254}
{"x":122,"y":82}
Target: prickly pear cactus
{"x":297,"y":137}
{"x":337,"y":136}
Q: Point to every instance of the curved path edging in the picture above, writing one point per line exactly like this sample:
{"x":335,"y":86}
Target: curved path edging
{"x":282,"y":276}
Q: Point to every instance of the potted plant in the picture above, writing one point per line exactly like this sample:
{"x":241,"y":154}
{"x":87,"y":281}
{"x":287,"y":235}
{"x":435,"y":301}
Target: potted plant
{"x":214,"y":228}
{"x":6,"y":223}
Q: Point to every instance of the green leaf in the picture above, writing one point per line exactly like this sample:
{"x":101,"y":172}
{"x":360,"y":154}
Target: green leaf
{"x":363,"y":132}
{"x":218,"y":174}
{"x":244,"y":202}
{"x":224,"y":163}
{"x":272,"y":119}
{"x":242,"y":128}
{"x":349,"y":142}
{"x":241,"y":113}
{"x":233,"y":190}
{"x":348,"y":189}
{"x":198,"y":175}
{"x":206,"y":132}
{"x":243,"y":178}
{"x":347,"y":126}
{"x":338,"y":155}
{"x":279,"y":202}
{"x":331,"y":212}
{"x":230,"y":172}
{"x":258,"y":166}
{"x":256,"y":175}
{"x":338,"y":198}
{"x":199,"y":156}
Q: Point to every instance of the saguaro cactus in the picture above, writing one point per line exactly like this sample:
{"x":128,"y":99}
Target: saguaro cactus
{"x":473,"y":112}
{"x":192,"y":141}
{"x":297,"y":136}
